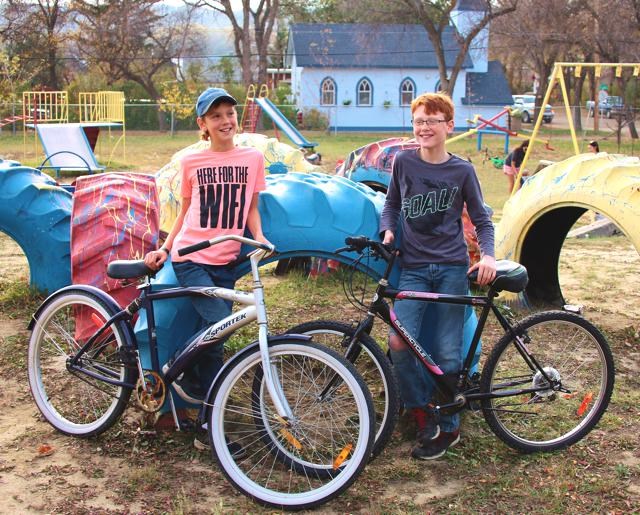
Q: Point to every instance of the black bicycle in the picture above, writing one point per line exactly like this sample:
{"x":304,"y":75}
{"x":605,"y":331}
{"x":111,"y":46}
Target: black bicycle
{"x":301,"y":412}
{"x":545,"y":384}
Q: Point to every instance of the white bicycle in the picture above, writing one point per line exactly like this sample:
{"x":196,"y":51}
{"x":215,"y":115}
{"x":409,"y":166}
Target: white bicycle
{"x":301,"y":412}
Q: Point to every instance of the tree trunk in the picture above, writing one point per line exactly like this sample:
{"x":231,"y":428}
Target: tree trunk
{"x":52,"y":66}
{"x":162,"y":121}
{"x":577,"y":101}
{"x":543,"y":70}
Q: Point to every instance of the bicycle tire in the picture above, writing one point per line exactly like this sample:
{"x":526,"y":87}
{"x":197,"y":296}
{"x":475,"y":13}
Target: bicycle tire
{"x":374,"y":367}
{"x":74,"y":403}
{"x":261,"y":474}
{"x":568,"y":348}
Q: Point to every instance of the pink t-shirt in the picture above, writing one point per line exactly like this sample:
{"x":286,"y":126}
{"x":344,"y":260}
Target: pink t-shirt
{"x":221,"y":186}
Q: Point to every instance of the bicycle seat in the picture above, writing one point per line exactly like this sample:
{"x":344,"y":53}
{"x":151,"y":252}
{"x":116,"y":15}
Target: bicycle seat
{"x":125,"y":269}
{"x":510,"y":276}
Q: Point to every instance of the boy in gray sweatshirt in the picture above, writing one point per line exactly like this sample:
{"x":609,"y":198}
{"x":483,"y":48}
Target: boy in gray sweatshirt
{"x":428,"y":189}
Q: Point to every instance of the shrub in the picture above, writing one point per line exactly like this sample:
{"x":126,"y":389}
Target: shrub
{"x":315,"y":120}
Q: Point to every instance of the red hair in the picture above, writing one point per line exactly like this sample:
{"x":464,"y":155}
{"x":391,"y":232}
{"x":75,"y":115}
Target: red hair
{"x":434,"y":103}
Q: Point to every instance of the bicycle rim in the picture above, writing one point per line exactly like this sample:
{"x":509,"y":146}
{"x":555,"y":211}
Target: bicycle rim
{"x":572,"y":352}
{"x":313,"y":458}
{"x":73,"y":402}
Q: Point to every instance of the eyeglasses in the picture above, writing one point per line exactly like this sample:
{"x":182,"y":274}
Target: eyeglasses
{"x":430,"y":122}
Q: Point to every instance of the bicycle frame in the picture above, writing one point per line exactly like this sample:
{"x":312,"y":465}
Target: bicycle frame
{"x":454,"y":389}
{"x":255,"y":310}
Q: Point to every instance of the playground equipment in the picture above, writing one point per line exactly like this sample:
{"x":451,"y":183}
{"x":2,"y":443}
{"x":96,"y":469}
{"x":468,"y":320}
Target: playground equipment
{"x":557,"y":76}
{"x":47,"y":109}
{"x":66,"y":148}
{"x":371,"y":164}
{"x":14,"y":119}
{"x":256,"y":104}
{"x":252,"y":110}
{"x":103,"y":109}
{"x":536,"y":220}
{"x":43,"y":107}
{"x":480,"y":128}
{"x":115,"y":216}
{"x":35,"y":213}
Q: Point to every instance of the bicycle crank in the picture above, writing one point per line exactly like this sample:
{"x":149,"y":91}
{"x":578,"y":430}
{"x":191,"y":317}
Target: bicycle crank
{"x":151,"y":391}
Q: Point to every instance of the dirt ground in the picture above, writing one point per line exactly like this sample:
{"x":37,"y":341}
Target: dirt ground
{"x":141,"y":471}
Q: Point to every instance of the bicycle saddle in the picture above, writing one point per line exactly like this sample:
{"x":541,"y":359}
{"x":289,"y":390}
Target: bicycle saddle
{"x":510,"y":276}
{"x":128,"y":269}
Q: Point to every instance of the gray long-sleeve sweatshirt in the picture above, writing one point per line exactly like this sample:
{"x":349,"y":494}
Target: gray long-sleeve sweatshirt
{"x":428,"y":199}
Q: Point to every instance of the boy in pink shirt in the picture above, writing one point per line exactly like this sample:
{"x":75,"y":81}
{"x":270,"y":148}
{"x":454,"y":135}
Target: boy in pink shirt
{"x":219,"y":189}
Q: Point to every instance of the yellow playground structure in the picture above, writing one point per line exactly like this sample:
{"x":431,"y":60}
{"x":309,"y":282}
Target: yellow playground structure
{"x":96,"y":110}
{"x":538,"y":216}
{"x":104,"y":109}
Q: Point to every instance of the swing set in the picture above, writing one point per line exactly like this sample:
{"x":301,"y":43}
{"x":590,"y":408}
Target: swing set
{"x":557,"y":76}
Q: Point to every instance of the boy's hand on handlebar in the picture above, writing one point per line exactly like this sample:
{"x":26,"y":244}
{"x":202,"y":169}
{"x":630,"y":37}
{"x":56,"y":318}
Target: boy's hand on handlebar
{"x":155,"y":259}
{"x":261,"y":238}
{"x":486,"y":268}
{"x":389,"y":237}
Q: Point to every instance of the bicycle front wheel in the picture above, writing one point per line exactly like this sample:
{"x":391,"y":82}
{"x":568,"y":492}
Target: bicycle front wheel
{"x":577,"y":360}
{"x":371,"y":363}
{"x":74,"y":402}
{"x":302,"y":462}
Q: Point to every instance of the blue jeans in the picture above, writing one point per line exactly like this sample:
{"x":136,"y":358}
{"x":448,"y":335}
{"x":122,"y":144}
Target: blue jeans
{"x":211,"y":310}
{"x":443,"y":337}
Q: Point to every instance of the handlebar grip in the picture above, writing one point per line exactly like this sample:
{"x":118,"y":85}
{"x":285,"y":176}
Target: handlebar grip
{"x":268,"y":248}
{"x":357,"y":241}
{"x":194,"y":248}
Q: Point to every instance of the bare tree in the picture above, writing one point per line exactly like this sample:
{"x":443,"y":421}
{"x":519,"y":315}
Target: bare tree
{"x":132,"y":40}
{"x":252,"y":31}
{"x":33,"y":30}
{"x":436,"y":17}
{"x":541,"y":37}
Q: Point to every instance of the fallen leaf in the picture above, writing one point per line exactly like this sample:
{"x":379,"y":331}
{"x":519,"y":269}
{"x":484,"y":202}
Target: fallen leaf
{"x":45,"y":450}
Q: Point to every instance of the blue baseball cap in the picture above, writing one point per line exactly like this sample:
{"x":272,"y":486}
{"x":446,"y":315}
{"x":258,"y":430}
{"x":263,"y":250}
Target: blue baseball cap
{"x":212,"y":96}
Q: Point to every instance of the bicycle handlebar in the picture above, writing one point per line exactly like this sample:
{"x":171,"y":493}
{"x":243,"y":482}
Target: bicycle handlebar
{"x":359,"y":243}
{"x":214,"y":241}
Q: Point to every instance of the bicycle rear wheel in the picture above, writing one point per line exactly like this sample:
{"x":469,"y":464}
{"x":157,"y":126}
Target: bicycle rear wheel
{"x":575,"y":356}
{"x":299,"y":463}
{"x":371,"y":363}
{"x":71,"y":401}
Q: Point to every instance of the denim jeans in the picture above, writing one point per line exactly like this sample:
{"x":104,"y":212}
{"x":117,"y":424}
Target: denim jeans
{"x":443,"y":340}
{"x":211,"y":310}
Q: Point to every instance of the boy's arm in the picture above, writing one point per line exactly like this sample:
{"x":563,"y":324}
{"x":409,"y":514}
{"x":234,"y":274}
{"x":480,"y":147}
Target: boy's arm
{"x":484,"y":229}
{"x":253,"y":220}
{"x":156,"y":258}
{"x":391,"y":209}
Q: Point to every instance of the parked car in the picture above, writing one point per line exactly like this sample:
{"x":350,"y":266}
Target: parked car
{"x":526,"y":104}
{"x":611,"y":106}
